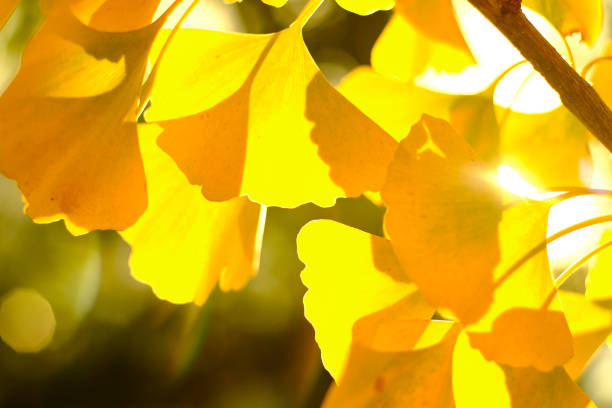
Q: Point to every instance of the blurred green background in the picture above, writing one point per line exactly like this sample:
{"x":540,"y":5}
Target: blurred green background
{"x":99,"y":338}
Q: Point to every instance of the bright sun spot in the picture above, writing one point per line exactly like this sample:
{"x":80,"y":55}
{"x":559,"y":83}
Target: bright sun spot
{"x":510,"y":180}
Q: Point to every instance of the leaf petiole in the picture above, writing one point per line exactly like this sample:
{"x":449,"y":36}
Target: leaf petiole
{"x":541,"y":246}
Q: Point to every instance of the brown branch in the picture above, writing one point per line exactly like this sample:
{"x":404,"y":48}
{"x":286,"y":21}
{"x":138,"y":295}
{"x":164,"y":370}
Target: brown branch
{"x":576,"y":93}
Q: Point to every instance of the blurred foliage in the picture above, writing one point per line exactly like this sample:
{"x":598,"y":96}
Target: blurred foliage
{"x":115,"y":344}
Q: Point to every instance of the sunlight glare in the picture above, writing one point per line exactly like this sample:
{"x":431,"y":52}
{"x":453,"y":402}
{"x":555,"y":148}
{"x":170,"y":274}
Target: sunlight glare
{"x":494,"y":54}
{"x":510,"y":180}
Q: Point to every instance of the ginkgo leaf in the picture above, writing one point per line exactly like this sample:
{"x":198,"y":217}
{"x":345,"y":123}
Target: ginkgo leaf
{"x":442,"y":217}
{"x":6,"y":9}
{"x":394,"y":105}
{"x":408,"y":46}
{"x":524,"y":325}
{"x":436,"y":19}
{"x":252,"y":114}
{"x":446,"y":225}
{"x":473,"y":117}
{"x":589,"y":324}
{"x":354,"y":277}
{"x":68,"y":124}
{"x":365,"y":7}
{"x":413,"y":378}
{"x":602,"y":76}
{"x":106,"y":15}
{"x":183,"y":244}
{"x":481,"y":383}
{"x":571,"y":16}
{"x":525,"y":137}
{"x":599,"y":280}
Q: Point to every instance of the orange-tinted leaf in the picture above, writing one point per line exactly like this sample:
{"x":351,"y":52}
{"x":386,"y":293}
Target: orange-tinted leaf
{"x":106,"y":15}
{"x":442,"y":218}
{"x":525,"y":337}
{"x":571,"y":16}
{"x":415,"y":378}
{"x":524,"y":325}
{"x":529,"y":387}
{"x":602,"y":77}
{"x":473,"y":117}
{"x":68,"y":124}
{"x":6,"y":9}
{"x":349,"y":274}
{"x":183,"y":244}
{"x":250,"y":133}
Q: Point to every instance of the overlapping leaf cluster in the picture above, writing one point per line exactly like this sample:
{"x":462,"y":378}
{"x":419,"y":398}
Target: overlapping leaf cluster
{"x":180,"y":138}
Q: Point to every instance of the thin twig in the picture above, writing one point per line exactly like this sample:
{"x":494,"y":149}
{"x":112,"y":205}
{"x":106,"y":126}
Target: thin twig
{"x":576,"y":93}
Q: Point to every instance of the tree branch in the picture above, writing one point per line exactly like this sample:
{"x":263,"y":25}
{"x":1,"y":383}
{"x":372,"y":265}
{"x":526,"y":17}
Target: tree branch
{"x":575,"y":92}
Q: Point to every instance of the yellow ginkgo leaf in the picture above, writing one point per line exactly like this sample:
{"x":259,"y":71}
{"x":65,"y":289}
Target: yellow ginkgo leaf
{"x":602,"y":76}
{"x":365,"y":7}
{"x":481,"y":383}
{"x":589,"y":324}
{"x":106,"y":15}
{"x":413,"y":378}
{"x":349,"y":274}
{"x":599,"y":280}
{"x":526,"y":137}
{"x":404,"y":51}
{"x":397,"y":105}
{"x":183,"y":244}
{"x":442,"y":217}
{"x":571,"y":16}
{"x":252,"y":114}
{"x":6,"y":9}
{"x":436,"y":19}
{"x":393,"y":105}
{"x":524,"y":325}
{"x":68,"y":126}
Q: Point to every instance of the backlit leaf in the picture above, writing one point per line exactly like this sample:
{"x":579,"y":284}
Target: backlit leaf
{"x":442,"y":218}
{"x":282,"y":142}
{"x":571,"y":16}
{"x":68,"y":124}
{"x":365,"y":7}
{"x":403,"y":52}
{"x":183,"y":244}
{"x":602,"y":77}
{"x":525,"y":138}
{"x":392,"y":104}
{"x":414,"y":378}
{"x":524,"y":325}
{"x":589,"y":324}
{"x":480,"y":383}
{"x":351,"y":278}
{"x":599,"y":280}
{"x":6,"y":9}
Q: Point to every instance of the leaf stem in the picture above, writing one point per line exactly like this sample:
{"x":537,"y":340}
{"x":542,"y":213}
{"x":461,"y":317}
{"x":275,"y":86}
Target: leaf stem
{"x":307,"y":12}
{"x":576,"y":265}
{"x":575,"y":92}
{"x":592,"y":63}
{"x":148,"y":85}
{"x":542,"y":245}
